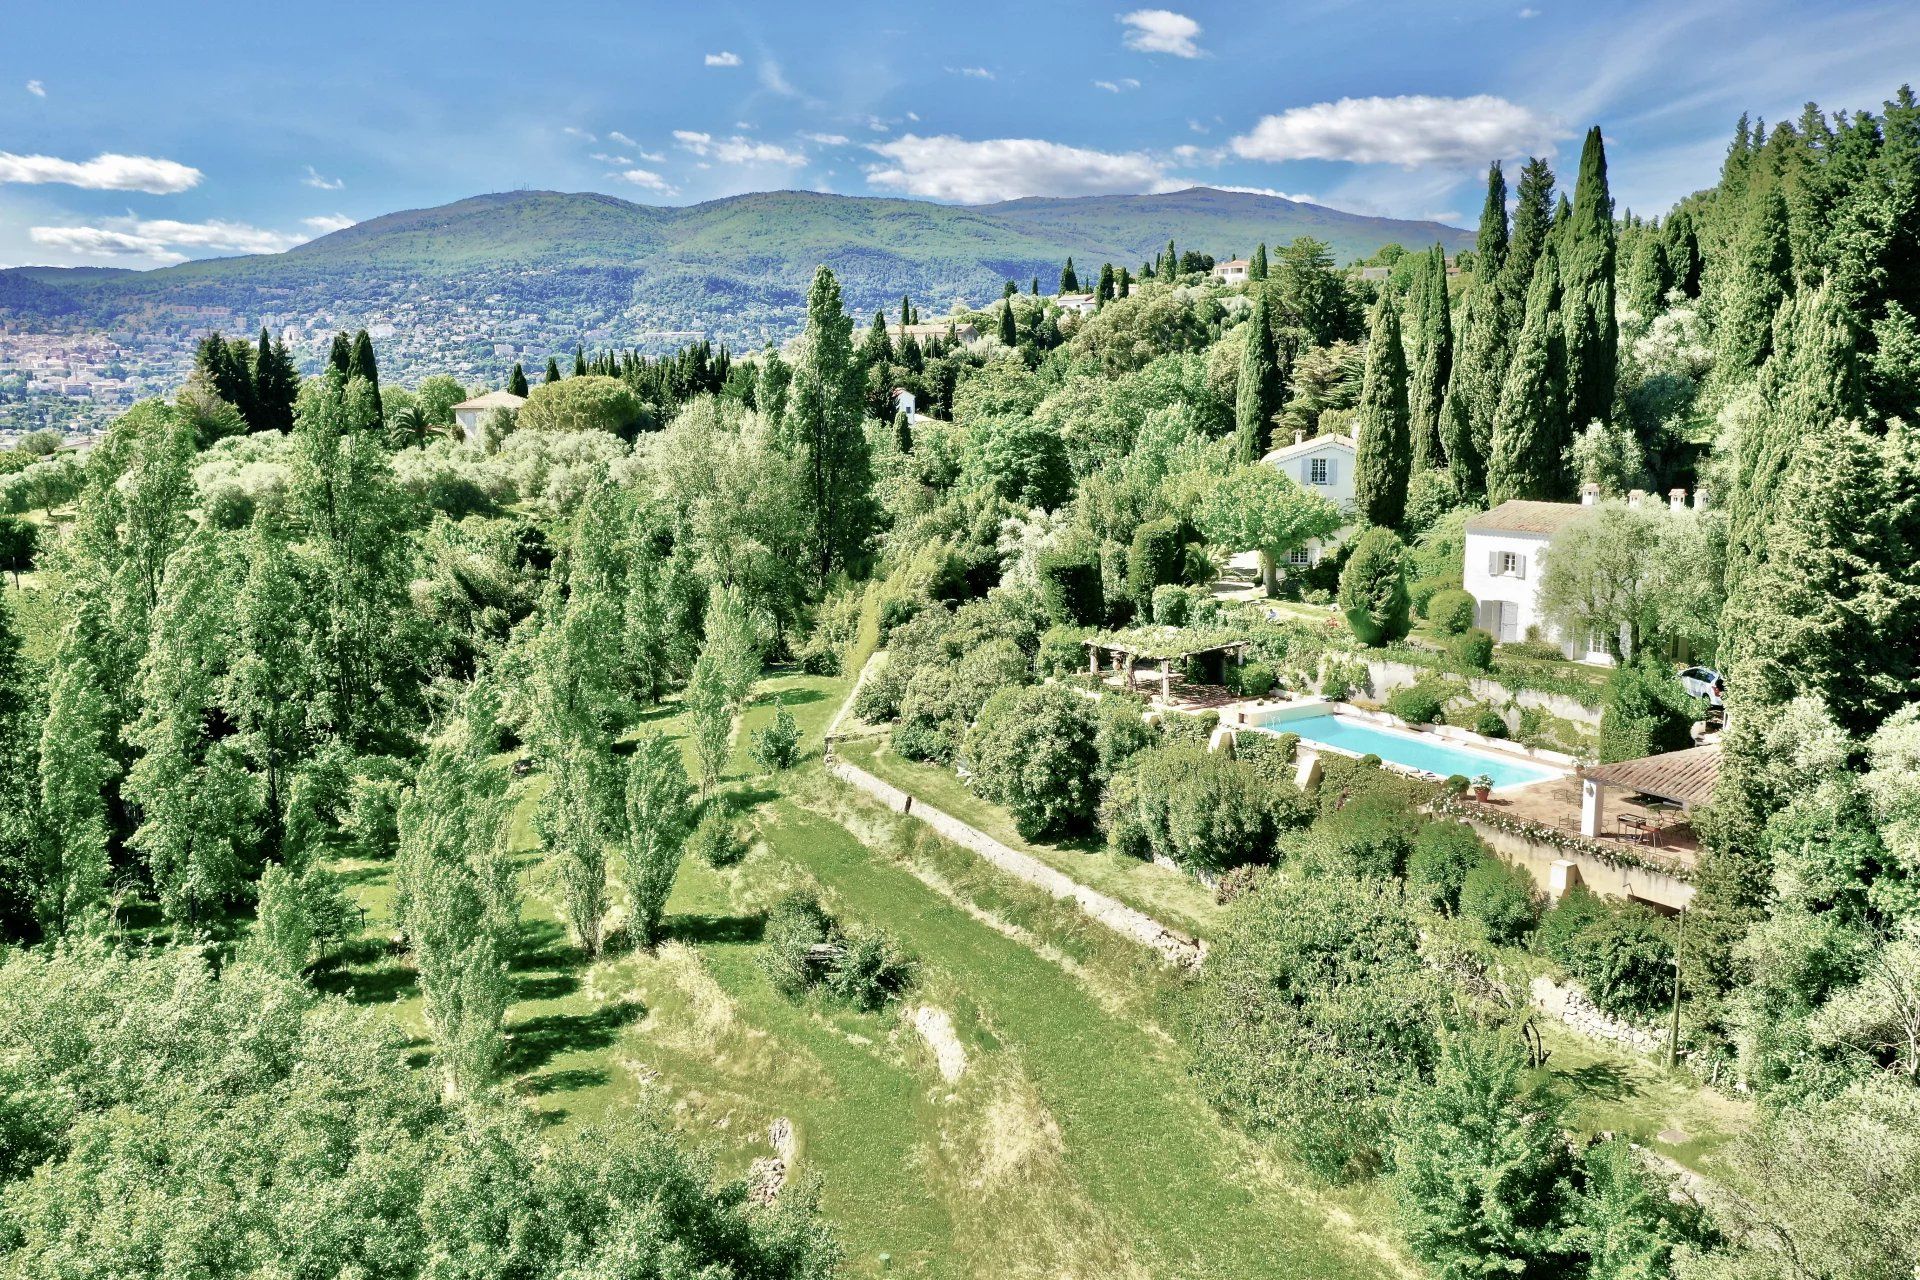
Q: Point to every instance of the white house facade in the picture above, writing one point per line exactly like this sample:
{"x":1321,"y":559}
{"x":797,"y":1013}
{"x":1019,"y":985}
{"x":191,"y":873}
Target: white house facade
{"x":1233,"y":272}
{"x":1506,"y":552}
{"x":1322,"y":465}
{"x":1079,"y":304}
{"x":471,"y":415}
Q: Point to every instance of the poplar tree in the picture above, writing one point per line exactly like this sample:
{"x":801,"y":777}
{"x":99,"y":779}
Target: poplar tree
{"x":732,"y":645}
{"x":770,"y":385}
{"x":579,"y":812}
{"x":1426,"y":392}
{"x":266,"y":690}
{"x":1473,"y":389}
{"x":709,"y":719}
{"x":658,"y":818}
{"x":1528,"y":458}
{"x":1258,"y":394}
{"x":517,"y":381}
{"x":822,"y":427}
{"x":19,"y":805}
{"x":1069,"y":279}
{"x":1589,"y":263}
{"x":75,"y":771}
{"x":1384,"y":454}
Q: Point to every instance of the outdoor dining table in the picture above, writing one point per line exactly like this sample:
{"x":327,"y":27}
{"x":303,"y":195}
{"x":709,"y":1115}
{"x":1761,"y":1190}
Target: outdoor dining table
{"x":1638,"y":829}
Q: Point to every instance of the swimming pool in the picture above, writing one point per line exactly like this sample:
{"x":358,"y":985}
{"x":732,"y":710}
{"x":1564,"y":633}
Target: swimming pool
{"x":1415,"y":751}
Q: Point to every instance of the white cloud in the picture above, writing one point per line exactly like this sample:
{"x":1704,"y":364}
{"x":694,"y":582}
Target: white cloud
{"x":574,"y":132}
{"x":313,"y":179}
{"x":725,"y":58}
{"x":1265,"y":191}
{"x":162,"y":239}
{"x":615,"y":135}
{"x":102,"y":173}
{"x":326,"y":222}
{"x":737,"y":150}
{"x":607,"y":158}
{"x":1117,"y":86}
{"x":1162,"y":31}
{"x":36,"y":88}
{"x":1529,"y":13}
{"x":646,"y":178}
{"x":976,"y":73}
{"x":652,"y":157}
{"x":1407,"y":131}
{"x":949,"y":168}
{"x":827,"y":139}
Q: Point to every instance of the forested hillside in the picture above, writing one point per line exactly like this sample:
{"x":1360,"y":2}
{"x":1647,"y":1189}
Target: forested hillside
{"x":416,"y":856}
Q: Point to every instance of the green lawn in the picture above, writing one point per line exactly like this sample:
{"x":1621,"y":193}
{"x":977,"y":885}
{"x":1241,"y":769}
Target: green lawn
{"x":1619,"y":1092}
{"x":1169,"y":896}
{"x":1071,"y":1142}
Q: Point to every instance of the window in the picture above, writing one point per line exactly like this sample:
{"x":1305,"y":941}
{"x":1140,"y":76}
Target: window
{"x":1317,"y":471}
{"x":1300,"y":555}
{"x":1506,"y":564}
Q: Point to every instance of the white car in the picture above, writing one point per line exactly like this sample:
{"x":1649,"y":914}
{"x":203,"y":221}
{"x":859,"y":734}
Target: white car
{"x":1703,"y":682}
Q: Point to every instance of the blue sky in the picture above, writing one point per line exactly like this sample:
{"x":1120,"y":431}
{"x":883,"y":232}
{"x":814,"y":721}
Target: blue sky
{"x":138,"y":133}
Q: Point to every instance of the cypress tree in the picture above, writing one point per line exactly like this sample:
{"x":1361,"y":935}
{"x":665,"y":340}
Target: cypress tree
{"x":1528,"y":458}
{"x":1427,"y":392}
{"x":363,"y":366}
{"x":553,"y":370}
{"x":517,"y":380}
{"x":341,"y":355}
{"x":276,"y":385}
{"x":1385,"y":454}
{"x":1257,"y":268}
{"x":1683,"y":253}
{"x":1651,"y":276}
{"x":1532,"y":222}
{"x":878,"y":348}
{"x":1069,"y":281}
{"x":1258,"y":395}
{"x":1763,"y":271}
{"x":1473,"y":389}
{"x":1009,"y":336}
{"x":1104,"y":294}
{"x":579,"y":362}
{"x":1589,"y":263}
{"x":1125,"y":282}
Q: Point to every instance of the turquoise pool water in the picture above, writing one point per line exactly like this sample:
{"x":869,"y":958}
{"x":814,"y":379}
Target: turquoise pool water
{"x":1415,"y":752}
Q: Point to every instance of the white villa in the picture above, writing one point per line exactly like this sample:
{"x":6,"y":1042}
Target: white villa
{"x":471,"y":414}
{"x":1233,"y":272}
{"x":1505,"y":552}
{"x":1080,"y":304}
{"x":1322,"y":465}
{"x":962,"y":330}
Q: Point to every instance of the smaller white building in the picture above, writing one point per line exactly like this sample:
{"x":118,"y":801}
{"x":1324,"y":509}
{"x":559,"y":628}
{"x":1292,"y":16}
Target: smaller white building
{"x":1232,"y":272}
{"x":1324,"y":465}
{"x":1079,"y":304}
{"x":471,"y":415}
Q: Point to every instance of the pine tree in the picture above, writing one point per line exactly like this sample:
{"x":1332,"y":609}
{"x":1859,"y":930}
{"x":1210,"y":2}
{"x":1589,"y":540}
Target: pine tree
{"x":1258,"y":395}
{"x":517,"y":381}
{"x":1385,"y":454}
{"x":1473,"y":389}
{"x":1528,"y":457}
{"x":1257,"y":268}
{"x":1426,"y":393}
{"x":823,"y":428}
{"x":658,"y":818}
{"x":1009,"y":336}
{"x":1588,"y":267}
{"x":553,"y":370}
{"x":1069,"y":280}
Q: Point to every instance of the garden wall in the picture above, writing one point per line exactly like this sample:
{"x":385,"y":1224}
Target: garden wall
{"x":1385,"y":676}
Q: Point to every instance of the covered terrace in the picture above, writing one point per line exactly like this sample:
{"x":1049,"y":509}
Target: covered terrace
{"x":1172,"y":653}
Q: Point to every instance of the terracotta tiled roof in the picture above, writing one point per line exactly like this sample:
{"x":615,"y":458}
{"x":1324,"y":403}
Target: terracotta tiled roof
{"x":493,"y":400}
{"x":1685,"y":777}
{"x":1517,"y":516}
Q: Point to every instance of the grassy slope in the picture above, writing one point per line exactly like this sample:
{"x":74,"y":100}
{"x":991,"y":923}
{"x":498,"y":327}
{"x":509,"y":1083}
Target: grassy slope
{"x":1071,"y":1144}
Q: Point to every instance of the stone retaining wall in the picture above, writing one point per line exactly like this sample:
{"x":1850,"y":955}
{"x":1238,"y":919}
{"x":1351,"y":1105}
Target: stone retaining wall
{"x":1122,"y":919}
{"x":1385,"y":676}
{"x":1572,"y":1007}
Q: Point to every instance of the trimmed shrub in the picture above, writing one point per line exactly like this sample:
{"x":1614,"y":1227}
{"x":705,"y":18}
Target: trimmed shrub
{"x":1416,"y":704}
{"x":1070,"y":586}
{"x":1196,"y":730}
{"x":1488,"y":724}
{"x":1251,"y":679}
{"x":1451,"y":611}
{"x":1062,"y":652}
{"x":1444,"y":854}
{"x":715,"y":840}
{"x":1373,"y":587}
{"x":1501,"y":899}
{"x":1201,"y":810}
{"x":1472,"y":650}
{"x":1371,"y":836}
{"x":1154,"y":559}
{"x":1421,"y":591}
{"x":777,"y":746}
{"x":1119,"y":732}
{"x":1172,"y":605}
{"x":1033,"y":751}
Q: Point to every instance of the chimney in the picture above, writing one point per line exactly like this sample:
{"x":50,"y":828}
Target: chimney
{"x":1676,"y":499}
{"x":1589,"y":494}
{"x":1635,"y":498}
{"x":1700,"y":499}
{"x":1299,"y":435}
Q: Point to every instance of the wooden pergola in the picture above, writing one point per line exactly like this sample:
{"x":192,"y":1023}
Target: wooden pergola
{"x":1163,"y":646}
{"x":1684,"y":779}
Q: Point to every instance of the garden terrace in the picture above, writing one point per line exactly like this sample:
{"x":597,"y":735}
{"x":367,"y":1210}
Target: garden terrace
{"x":1172,"y":650}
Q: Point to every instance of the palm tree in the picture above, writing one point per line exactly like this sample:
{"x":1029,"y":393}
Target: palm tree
{"x":409,"y":427}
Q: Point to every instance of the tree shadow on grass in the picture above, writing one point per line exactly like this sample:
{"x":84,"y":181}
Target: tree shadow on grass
{"x":699,"y":928}
{"x":742,"y":800}
{"x":789,"y":698}
{"x":366,"y":973}
{"x":566,"y":1080}
{"x":361,"y":875}
{"x":543,"y":946}
{"x":1607,"y":1081}
{"x":550,"y":986}
{"x":537,"y":1041}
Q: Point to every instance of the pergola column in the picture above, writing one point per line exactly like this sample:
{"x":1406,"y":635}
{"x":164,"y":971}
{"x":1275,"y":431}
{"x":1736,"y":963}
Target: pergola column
{"x":1593,"y":808}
